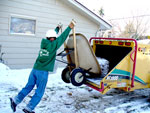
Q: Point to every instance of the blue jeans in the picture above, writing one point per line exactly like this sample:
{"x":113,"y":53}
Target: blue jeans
{"x":38,"y":78}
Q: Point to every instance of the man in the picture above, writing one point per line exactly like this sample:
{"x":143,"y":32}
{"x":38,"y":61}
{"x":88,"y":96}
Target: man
{"x":39,"y":74}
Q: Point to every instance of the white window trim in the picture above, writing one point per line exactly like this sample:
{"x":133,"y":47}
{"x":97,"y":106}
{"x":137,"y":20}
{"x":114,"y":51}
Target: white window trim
{"x":23,"y":17}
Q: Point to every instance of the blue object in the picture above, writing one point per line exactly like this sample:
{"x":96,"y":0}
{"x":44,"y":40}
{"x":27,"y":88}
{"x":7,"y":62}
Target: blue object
{"x":38,"y":78}
{"x":78,"y":77}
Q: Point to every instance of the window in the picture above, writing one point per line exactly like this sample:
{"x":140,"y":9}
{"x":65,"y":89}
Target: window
{"x":22,"y":26}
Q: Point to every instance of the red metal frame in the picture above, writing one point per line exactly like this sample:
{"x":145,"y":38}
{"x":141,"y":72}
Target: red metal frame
{"x":96,"y":88}
{"x":135,"y":51}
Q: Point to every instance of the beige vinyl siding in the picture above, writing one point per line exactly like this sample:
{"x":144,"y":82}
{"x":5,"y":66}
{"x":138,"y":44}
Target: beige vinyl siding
{"x":20,"y":50}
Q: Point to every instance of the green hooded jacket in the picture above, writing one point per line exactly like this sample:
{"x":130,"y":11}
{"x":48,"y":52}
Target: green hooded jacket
{"x":47,"y":53}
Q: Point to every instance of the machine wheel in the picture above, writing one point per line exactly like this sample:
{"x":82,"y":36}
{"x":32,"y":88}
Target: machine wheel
{"x":77,"y":77}
{"x":65,"y":75}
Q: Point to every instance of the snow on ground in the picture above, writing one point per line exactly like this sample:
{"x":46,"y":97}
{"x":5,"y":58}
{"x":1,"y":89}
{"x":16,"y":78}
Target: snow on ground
{"x":60,"y":97}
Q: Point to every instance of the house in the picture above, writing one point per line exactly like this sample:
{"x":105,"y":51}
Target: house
{"x":23,"y":23}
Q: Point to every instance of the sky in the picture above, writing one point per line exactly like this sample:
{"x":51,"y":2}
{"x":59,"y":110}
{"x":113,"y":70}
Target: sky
{"x":114,"y":9}
{"x":120,"y":12}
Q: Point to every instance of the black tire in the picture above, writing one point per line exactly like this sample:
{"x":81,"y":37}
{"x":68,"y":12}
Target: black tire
{"x":77,"y":77}
{"x":65,"y":75}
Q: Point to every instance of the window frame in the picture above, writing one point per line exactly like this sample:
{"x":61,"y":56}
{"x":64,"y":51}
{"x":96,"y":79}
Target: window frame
{"x":22,"y":17}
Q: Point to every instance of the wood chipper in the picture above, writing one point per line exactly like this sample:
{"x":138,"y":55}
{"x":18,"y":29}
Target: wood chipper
{"x":129,"y":63}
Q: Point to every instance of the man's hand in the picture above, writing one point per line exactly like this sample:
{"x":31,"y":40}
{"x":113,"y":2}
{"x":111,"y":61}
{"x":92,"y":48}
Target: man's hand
{"x":72,"y":24}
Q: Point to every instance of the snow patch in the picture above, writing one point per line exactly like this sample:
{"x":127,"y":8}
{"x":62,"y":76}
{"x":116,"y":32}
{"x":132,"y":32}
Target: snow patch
{"x":144,"y":41}
{"x":104,"y":64}
{"x":4,"y":69}
{"x":60,"y":97}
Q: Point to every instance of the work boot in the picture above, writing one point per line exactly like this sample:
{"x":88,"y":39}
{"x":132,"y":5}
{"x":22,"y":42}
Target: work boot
{"x":26,"y":111}
{"x":13,"y":104}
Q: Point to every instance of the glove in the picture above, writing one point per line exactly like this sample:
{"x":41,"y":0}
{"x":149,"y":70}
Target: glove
{"x":72,"y":24}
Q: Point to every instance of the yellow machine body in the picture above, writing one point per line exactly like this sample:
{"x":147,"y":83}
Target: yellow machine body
{"x":121,"y":75}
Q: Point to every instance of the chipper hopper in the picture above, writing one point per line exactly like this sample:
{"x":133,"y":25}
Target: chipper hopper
{"x":129,"y":63}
